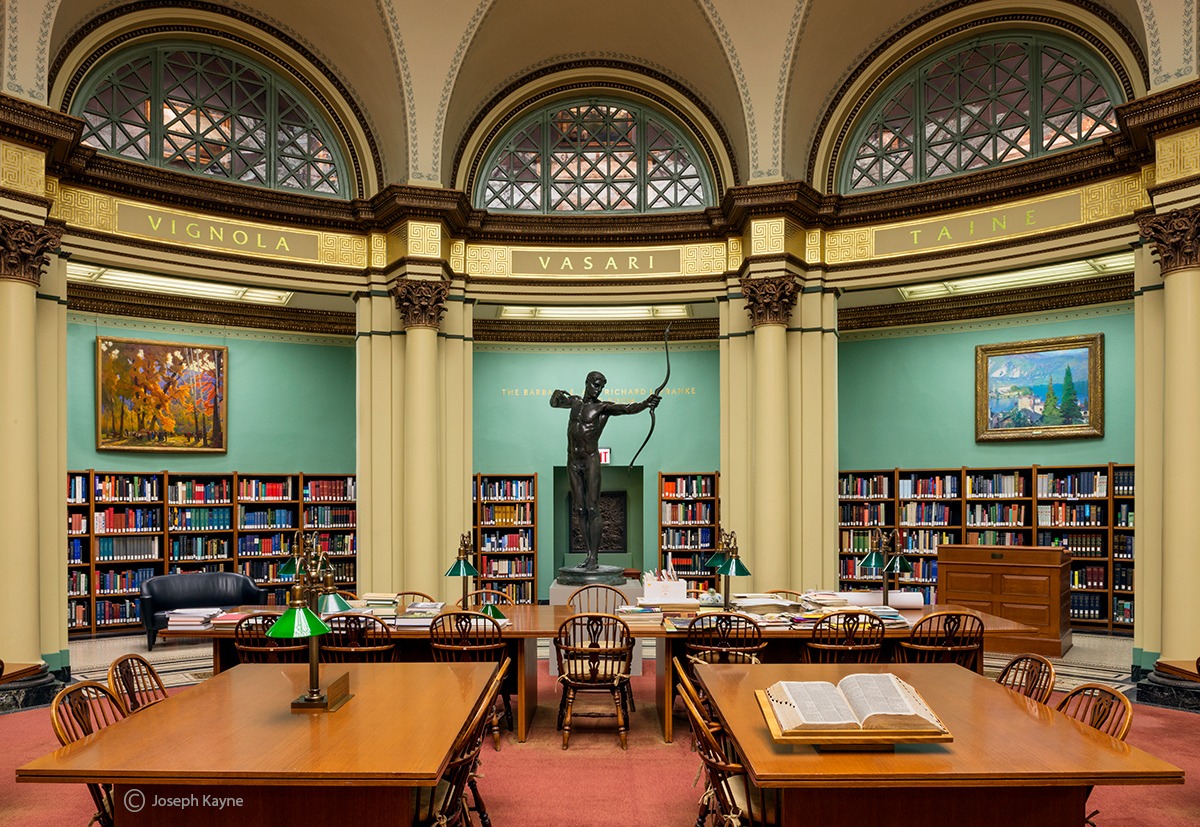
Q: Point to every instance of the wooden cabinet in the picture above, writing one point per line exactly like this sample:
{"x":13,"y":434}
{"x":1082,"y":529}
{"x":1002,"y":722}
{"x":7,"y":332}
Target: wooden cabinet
{"x":688,"y":523}
{"x":506,"y":507}
{"x":1027,"y":585}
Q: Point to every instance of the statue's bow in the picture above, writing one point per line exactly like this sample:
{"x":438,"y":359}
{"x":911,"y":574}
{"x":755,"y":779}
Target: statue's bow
{"x":658,"y":390}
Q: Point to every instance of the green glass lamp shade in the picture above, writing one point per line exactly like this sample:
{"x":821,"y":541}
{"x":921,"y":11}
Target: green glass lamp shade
{"x":298,"y":623}
{"x":492,"y":611}
{"x":462,"y":568}
{"x":898,"y":565}
{"x":733,"y":567}
{"x":330,"y":603}
{"x":873,"y":560}
{"x":717,"y":559}
{"x":288,"y":569}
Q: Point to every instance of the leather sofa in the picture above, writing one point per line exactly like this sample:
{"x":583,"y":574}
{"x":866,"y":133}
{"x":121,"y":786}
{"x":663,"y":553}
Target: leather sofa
{"x":194,"y":590}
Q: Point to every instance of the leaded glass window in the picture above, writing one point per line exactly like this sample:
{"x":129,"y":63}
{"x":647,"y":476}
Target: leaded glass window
{"x":208,"y":112}
{"x":981,"y":104}
{"x":594,"y":156}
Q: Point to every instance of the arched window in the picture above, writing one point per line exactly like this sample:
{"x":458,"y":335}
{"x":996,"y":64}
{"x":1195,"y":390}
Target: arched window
{"x":979,"y":104}
{"x":205,"y":111}
{"x":594,"y":156}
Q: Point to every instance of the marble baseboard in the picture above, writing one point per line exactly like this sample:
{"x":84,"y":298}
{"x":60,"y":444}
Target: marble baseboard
{"x":1161,"y":690}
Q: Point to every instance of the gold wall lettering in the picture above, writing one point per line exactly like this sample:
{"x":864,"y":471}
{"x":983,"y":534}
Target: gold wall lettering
{"x":588,"y":262}
{"x":1177,"y":156}
{"x":22,"y":169}
{"x":1024,"y":218}
{"x":191,"y":230}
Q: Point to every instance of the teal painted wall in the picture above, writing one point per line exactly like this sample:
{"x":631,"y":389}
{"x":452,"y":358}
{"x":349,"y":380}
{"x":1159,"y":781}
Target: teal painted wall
{"x":517,"y":432}
{"x":291,"y":405}
{"x":909,"y":401}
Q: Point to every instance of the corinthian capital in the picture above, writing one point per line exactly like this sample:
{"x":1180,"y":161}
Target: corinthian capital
{"x":770,"y":300}
{"x":1174,"y":236}
{"x":23,"y":248}
{"x":421,"y":302}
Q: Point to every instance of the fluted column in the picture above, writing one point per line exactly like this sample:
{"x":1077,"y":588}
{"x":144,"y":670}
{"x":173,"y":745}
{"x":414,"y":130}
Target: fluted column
{"x":770,"y":300}
{"x":421,"y":303}
{"x":380,"y":365}
{"x":1148,"y":312}
{"x":23,"y":248}
{"x":52,"y":460}
{"x":737,"y":387}
{"x":1175,"y":237}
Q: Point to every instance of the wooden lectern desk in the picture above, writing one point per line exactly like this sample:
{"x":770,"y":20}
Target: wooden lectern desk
{"x":1025,"y":584}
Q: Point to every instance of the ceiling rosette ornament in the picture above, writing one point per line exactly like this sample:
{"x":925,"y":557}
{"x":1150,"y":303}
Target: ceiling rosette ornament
{"x":770,"y":300}
{"x":23,"y":249}
{"x":1174,"y":237}
{"x":421,"y":302}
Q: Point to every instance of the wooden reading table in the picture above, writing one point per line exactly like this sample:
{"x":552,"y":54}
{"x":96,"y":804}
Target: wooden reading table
{"x":230,"y":751}
{"x":1012,"y":762}
{"x":528,"y":623}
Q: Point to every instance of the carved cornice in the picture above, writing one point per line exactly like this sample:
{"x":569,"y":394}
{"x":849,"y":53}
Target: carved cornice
{"x":1161,"y":112}
{"x":526,"y":332}
{"x":770,"y":299}
{"x":87,"y":298}
{"x":421,"y":302}
{"x":30,"y":123}
{"x":1174,"y":237}
{"x":1106,"y":290}
{"x":23,"y":249}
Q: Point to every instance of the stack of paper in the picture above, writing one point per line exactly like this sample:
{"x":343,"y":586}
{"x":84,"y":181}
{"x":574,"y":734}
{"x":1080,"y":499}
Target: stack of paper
{"x":640,"y":617}
{"x":418,"y":614}
{"x":191,"y":618}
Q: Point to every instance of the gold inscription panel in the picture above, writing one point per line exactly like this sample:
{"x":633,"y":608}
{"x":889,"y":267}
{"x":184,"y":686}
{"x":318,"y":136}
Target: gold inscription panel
{"x":628,"y":262}
{"x":200,"y":231}
{"x":975,"y":228}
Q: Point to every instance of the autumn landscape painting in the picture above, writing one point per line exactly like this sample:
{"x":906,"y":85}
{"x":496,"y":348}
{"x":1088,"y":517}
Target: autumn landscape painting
{"x":160,"y":396}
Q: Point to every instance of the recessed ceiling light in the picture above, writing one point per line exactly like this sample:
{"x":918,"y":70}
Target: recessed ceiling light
{"x":574,"y":313}
{"x":108,"y":277}
{"x":1050,"y":274}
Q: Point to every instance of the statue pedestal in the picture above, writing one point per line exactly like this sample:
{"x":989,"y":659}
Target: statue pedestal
{"x":560,"y":593}
{"x":604,"y":575}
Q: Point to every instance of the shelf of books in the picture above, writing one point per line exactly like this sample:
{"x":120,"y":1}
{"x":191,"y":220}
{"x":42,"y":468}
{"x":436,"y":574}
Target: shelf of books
{"x":1088,"y":509}
{"x":689,"y":520}
{"x":506,"y":535}
{"x":125,"y":527}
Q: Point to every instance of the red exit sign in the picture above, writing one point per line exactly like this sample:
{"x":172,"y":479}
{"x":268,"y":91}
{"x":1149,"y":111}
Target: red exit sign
{"x":605,"y":456}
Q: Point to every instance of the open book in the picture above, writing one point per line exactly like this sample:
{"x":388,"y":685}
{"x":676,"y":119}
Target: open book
{"x":866,"y":701}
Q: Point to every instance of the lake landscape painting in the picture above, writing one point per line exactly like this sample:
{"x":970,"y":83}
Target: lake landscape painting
{"x":1040,"y":389}
{"x":160,"y":396}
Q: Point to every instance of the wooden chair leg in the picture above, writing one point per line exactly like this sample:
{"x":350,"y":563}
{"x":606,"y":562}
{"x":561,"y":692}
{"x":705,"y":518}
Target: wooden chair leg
{"x":622,"y":726}
{"x":508,"y":716}
{"x":569,"y":697}
{"x":484,"y":819}
{"x":496,"y":729}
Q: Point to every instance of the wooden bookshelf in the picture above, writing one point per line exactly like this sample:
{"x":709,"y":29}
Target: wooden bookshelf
{"x":123,"y":528}
{"x":506,"y":509}
{"x":1083,"y":509}
{"x":689,"y":520}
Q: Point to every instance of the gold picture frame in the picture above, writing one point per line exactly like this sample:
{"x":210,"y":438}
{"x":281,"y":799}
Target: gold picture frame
{"x":161,"y":396}
{"x":1031,"y":389}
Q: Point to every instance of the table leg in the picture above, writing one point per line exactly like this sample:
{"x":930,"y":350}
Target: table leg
{"x":664,"y":684}
{"x":527,"y":685}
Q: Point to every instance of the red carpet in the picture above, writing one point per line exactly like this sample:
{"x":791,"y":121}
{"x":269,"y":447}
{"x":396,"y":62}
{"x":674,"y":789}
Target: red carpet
{"x":595,"y":783}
